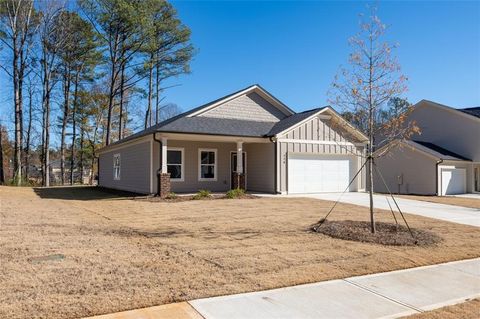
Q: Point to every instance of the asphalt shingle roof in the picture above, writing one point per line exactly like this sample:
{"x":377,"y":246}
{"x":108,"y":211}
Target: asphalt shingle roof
{"x":218,"y":126}
{"x":438,"y":151}
{"x":475,"y":111}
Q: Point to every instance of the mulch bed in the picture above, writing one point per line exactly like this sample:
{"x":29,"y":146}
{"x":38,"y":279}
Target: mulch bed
{"x":386,"y":233}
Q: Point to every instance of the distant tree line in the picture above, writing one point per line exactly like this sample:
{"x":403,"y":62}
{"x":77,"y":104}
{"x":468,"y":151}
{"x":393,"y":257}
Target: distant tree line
{"x":82,"y":72}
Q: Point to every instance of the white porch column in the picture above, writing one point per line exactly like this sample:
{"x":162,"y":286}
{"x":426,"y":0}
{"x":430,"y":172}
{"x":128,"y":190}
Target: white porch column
{"x":164,"y":155}
{"x":240,"y":157}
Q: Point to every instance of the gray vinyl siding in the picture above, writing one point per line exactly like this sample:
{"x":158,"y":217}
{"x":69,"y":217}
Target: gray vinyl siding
{"x":450,"y":129}
{"x":134,"y":168}
{"x":191,"y":166}
{"x":316,"y":129}
{"x":261,"y":167}
{"x":251,"y":107}
{"x":418,"y":171}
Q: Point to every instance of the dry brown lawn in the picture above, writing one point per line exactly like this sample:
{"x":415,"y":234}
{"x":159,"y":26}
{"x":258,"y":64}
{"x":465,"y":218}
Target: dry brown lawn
{"x":449,"y":200}
{"x":121,"y":254}
{"x":466,"y":310}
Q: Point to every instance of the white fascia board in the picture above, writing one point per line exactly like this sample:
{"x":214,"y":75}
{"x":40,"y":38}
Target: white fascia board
{"x":288,"y":140}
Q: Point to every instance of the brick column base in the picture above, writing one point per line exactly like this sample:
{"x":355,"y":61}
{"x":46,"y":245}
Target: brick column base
{"x":238,"y":181}
{"x":164,"y":184}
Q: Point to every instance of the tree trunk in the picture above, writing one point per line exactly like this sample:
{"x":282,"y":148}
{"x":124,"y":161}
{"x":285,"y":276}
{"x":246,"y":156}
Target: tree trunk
{"x":47,"y":138}
{"x":29,"y":134}
{"x":74,"y":128}
{"x":148,"y":115}
{"x":2,"y":174}
{"x":81,"y":155}
{"x":43,"y":145}
{"x":371,"y":107}
{"x":122,"y":84}
{"x":66,"y":94}
{"x":17,"y":159}
{"x":157,"y":90}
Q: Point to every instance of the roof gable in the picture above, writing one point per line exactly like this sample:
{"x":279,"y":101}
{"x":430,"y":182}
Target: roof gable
{"x":249,"y":107}
{"x":467,"y":113}
{"x":259,"y":103}
{"x":428,"y":149}
{"x":300,"y":118}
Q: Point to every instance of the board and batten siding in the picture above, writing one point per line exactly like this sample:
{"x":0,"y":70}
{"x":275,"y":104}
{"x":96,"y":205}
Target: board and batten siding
{"x":249,"y":107}
{"x":135,"y":167}
{"x":310,"y":135}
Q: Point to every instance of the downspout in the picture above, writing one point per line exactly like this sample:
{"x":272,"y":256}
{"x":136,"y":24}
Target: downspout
{"x":160,"y":163}
{"x":436,"y":174}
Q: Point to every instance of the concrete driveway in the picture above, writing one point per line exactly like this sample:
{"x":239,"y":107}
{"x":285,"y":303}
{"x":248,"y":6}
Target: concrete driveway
{"x":455,"y":214}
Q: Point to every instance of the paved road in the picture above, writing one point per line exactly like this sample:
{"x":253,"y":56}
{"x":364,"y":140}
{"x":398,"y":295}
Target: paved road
{"x":456,"y":214}
{"x":386,"y":295}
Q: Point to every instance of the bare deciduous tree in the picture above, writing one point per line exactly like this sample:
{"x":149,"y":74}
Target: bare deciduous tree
{"x":17,"y":26}
{"x":363,"y":89}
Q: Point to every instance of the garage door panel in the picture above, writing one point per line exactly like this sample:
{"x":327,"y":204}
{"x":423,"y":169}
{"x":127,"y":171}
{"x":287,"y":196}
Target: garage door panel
{"x":319,"y":173}
{"x":453,"y":181}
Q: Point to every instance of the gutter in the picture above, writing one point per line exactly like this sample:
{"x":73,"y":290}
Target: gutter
{"x":160,"y":163}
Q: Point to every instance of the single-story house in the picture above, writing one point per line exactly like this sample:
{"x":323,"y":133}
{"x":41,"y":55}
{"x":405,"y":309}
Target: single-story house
{"x":444,"y":159}
{"x":247,"y":139}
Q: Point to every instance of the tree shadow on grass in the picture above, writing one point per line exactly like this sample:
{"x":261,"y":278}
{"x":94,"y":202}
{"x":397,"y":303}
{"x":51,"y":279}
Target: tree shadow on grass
{"x":82,"y":193}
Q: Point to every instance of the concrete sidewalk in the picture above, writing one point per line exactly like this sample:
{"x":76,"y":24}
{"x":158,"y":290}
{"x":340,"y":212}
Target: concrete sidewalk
{"x":451,"y":213}
{"x":385,"y":295}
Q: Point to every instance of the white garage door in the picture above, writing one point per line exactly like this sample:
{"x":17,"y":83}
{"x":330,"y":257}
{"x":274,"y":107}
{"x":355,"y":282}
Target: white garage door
{"x":454,"y":181}
{"x":319,"y":173}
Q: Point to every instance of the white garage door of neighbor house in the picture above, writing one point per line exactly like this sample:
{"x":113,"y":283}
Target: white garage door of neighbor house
{"x":318,"y":173}
{"x":454,"y":181}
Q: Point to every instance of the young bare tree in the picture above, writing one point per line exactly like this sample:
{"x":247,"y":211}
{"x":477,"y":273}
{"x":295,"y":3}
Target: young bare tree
{"x":365,"y":87}
{"x":18,"y":22}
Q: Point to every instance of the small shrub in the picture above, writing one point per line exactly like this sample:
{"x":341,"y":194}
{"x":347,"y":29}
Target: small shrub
{"x":171,"y":195}
{"x":202,"y":194}
{"x":23,"y":182}
{"x":235,"y":193}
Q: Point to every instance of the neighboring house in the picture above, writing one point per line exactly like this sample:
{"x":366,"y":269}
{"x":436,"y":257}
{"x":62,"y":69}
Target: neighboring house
{"x":247,"y":139}
{"x":56,"y":173}
{"x":443,"y":160}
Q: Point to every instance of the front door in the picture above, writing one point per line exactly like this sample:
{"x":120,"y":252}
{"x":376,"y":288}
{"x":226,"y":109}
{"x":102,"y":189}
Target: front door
{"x":233,"y":166}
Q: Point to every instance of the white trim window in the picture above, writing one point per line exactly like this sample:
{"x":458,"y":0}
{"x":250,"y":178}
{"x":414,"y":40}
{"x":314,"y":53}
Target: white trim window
{"x":175,"y":164}
{"x":207,"y":164}
{"x":116,"y":167}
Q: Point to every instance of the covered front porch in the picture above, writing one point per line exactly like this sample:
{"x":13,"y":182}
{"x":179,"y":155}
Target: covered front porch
{"x":186,"y":163}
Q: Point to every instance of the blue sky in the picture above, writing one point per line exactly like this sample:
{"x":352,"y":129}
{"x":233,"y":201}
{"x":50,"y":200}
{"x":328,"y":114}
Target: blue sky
{"x":294,"y":49}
